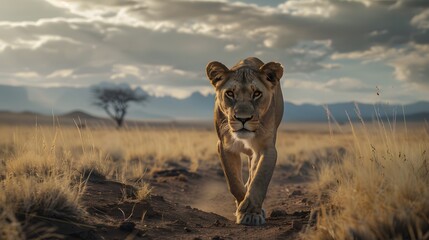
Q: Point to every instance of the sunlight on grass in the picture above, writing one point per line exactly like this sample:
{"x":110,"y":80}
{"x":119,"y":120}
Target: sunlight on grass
{"x":379,"y":190}
{"x":43,"y":171}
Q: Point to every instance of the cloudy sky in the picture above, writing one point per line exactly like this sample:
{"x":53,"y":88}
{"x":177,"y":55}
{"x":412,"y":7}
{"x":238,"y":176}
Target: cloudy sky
{"x":331,"y":50}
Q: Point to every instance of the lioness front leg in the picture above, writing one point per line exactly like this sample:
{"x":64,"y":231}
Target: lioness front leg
{"x":249,"y":211}
{"x":231,"y":164}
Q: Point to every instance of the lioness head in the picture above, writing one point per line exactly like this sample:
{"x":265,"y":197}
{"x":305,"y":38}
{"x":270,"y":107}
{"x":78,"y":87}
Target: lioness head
{"x":244,"y":92}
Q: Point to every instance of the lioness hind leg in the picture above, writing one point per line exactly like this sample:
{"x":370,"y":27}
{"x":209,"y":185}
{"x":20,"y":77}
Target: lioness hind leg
{"x":249,"y":211}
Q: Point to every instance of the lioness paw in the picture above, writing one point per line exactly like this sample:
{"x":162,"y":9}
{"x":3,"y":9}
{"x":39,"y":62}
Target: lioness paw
{"x":249,"y":214}
{"x":251,"y":219}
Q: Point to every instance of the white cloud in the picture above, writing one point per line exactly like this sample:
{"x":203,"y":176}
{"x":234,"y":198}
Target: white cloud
{"x":346,"y":84}
{"x":3,"y":45}
{"x":40,"y":41}
{"x":303,"y":84}
{"x":338,"y":84}
{"x":308,"y":8}
{"x":413,"y":66}
{"x":347,"y":23}
{"x":421,"y":20}
{"x":177,"y":92}
{"x":375,"y":53}
{"x":26,"y":75}
{"x":122,"y":71}
{"x":330,"y":65}
{"x":91,"y":9}
{"x":62,"y":73}
{"x":231,"y":47}
{"x":160,"y":74}
{"x":378,"y":33}
{"x":168,"y":43}
{"x":410,"y":63}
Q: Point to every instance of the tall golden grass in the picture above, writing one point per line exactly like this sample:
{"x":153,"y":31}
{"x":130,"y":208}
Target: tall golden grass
{"x":43,"y":171}
{"x":380,"y":188}
{"x":377,"y":190}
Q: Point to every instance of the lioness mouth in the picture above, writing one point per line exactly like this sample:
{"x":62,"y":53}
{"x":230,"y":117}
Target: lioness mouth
{"x":244,"y":130}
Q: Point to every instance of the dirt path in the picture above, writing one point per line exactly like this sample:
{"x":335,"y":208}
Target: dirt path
{"x":188,"y":205}
{"x":208,"y":191}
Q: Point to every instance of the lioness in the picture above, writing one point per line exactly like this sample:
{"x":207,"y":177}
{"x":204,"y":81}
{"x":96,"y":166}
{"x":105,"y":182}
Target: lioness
{"x":248,"y":110}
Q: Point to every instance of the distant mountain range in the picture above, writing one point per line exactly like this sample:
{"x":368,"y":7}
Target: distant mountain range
{"x":61,"y":100}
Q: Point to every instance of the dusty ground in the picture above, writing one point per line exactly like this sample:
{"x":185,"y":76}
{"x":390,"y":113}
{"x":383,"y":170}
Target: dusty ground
{"x":186,"y":205}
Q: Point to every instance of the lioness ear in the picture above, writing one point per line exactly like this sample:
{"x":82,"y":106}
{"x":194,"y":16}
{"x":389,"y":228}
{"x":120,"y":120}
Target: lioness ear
{"x":216,"y":72}
{"x":273,"y":71}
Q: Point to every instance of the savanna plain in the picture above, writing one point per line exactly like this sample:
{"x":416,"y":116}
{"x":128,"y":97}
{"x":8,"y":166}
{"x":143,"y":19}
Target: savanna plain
{"x":77,"y":178}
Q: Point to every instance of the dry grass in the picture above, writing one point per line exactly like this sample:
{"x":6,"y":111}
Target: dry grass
{"x":50,"y":165}
{"x":379,"y":190}
{"x":35,"y":183}
{"x":43,"y":169}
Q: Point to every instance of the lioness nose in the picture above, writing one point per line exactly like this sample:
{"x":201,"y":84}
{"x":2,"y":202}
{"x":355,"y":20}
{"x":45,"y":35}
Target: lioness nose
{"x":243,"y":120}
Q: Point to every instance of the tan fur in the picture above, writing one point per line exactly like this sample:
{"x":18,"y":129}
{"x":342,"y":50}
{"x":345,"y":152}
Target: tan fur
{"x":247,"y":124}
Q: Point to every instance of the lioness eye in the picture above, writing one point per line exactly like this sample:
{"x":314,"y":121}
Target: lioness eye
{"x":230,"y":94}
{"x":257,"y":94}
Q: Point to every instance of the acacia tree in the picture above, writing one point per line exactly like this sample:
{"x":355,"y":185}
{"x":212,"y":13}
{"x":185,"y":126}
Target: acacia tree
{"x":115,"y":101}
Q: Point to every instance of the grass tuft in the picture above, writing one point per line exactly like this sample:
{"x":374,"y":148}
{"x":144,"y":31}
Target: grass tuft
{"x":52,"y":197}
